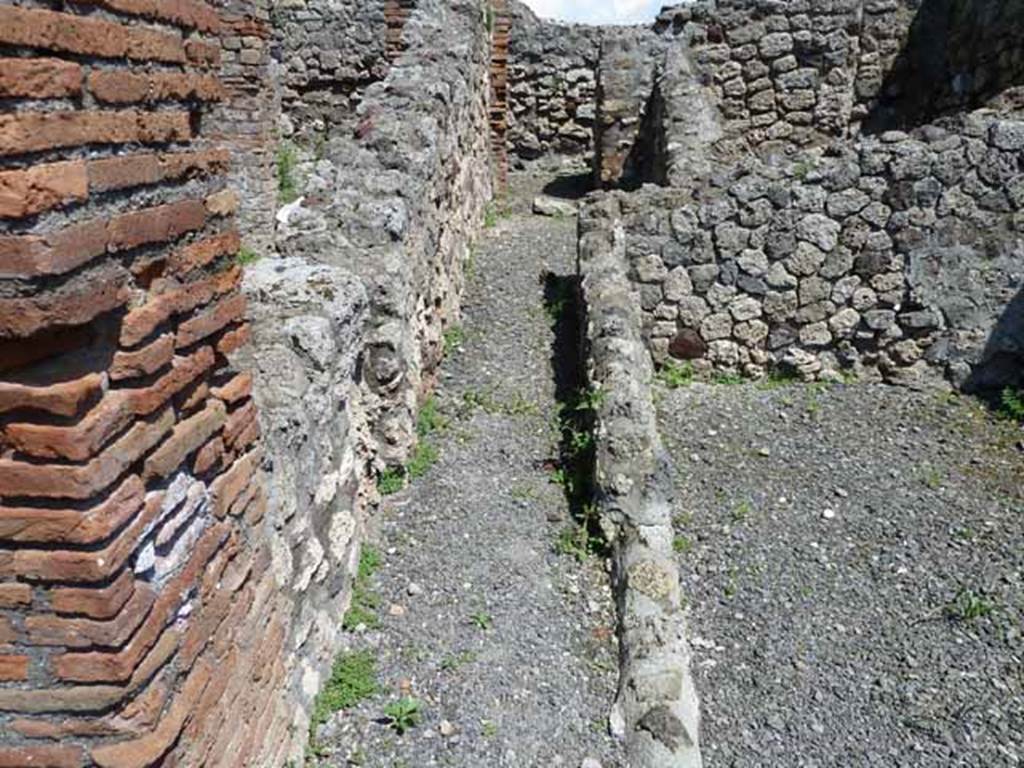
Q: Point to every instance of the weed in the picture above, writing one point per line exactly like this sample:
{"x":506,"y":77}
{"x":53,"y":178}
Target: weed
{"x":404,"y":714}
{"x":968,"y":606}
{"x":391,"y":481}
{"x":742,"y":511}
{"x":430,"y":419}
{"x":779,"y":377}
{"x":522,"y":493}
{"x":590,"y":399}
{"x":727,"y":379}
{"x":246,"y":256}
{"x":803,"y":168}
{"x":489,"y":728}
{"x":353,"y":678}
{"x":676,"y":375}
{"x":287,"y":162}
{"x":682,"y":545}
{"x":362,"y":611}
{"x":423,"y":458}
{"x":933,"y":479}
{"x":452,"y":339}
{"x":452,"y":662}
{"x":482,"y":621}
{"x":1012,"y":404}
{"x":493,"y":213}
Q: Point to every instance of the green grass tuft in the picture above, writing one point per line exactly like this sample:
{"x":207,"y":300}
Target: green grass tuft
{"x":353,"y":678}
{"x":676,"y":375}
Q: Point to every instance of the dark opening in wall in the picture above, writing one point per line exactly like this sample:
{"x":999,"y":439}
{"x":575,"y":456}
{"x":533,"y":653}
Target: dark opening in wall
{"x":959,"y":54}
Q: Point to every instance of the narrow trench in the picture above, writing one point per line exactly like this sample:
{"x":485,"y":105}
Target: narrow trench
{"x":485,"y":607}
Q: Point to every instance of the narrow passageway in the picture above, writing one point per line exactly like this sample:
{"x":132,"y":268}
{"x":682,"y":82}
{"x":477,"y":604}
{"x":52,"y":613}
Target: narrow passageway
{"x":504,"y":638}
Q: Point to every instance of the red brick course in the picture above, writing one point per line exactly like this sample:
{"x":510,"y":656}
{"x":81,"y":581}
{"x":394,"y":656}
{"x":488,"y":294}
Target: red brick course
{"x":130,"y":480}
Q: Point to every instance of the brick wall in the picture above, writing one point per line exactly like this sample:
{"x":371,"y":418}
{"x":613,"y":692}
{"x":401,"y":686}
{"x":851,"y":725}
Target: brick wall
{"x":135,"y":598}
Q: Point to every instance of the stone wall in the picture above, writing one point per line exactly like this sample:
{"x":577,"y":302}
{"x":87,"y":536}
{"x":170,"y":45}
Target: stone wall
{"x":656,"y":711}
{"x":552,"y":86}
{"x":138,"y":613}
{"x":807,"y":72}
{"x":396,"y":202}
{"x":896,"y":256}
{"x":327,"y":55}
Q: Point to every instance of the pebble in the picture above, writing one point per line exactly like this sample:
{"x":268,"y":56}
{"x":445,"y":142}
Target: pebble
{"x":446,"y":728}
{"x":764,"y":452}
{"x":829,"y":514}
{"x":414,"y":589}
{"x":589,"y":762}
{"x":396,"y":610}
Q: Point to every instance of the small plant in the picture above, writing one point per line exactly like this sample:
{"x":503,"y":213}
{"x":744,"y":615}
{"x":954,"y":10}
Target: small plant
{"x":676,"y":375}
{"x":404,"y":714}
{"x":933,"y":479}
{"x":803,"y":168}
{"x":482,"y":621}
{"x":362,"y":611}
{"x":287,"y":162}
{"x":728,"y":379}
{"x":353,"y":678}
{"x":969,"y":606}
{"x":780,"y":377}
{"x":430,"y":419}
{"x":682,"y":545}
{"x":742,"y":511}
{"x":492,"y":214}
{"x":1012,"y":404}
{"x":391,"y":481}
{"x":452,"y":662}
{"x":489,"y":728}
{"x":246,"y":256}
{"x":423,"y":458}
{"x":590,"y":399}
{"x":452,"y":339}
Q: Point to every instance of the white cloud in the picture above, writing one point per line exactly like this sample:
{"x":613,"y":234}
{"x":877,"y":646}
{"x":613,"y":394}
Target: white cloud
{"x":597,"y":11}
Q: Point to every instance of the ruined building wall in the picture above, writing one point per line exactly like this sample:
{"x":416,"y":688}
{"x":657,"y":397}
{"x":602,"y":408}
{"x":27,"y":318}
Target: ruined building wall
{"x":327,"y":54}
{"x":899,"y":257}
{"x":137,"y":610}
{"x":804,"y":72}
{"x":396,"y":201}
{"x":552,"y":86}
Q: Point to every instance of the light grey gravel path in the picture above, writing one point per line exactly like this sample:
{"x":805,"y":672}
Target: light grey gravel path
{"x":835,"y":543}
{"x":533,"y":686}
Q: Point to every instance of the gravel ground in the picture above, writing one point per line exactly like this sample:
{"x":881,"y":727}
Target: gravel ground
{"x":509,"y":646}
{"x":854,"y":559}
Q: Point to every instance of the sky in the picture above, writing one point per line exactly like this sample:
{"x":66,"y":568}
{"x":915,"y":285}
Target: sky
{"x":598,"y":11}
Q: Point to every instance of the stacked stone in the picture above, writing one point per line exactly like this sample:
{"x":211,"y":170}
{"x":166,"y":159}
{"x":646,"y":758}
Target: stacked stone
{"x":501,"y":22}
{"x":626,"y":78}
{"x":328,"y":54}
{"x":139,"y":623}
{"x":397,"y":201}
{"x":552,"y":86}
{"x":898,"y":257}
{"x":785,"y":72}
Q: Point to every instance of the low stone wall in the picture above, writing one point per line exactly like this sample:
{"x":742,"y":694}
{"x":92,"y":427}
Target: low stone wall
{"x":898,"y":256}
{"x":656,"y":711}
{"x":552,"y":86}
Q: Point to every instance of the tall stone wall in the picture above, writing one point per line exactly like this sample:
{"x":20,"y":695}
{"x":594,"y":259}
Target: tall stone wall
{"x":138,"y":613}
{"x":899,"y":256}
{"x":396,"y":202}
{"x":552,"y":86}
